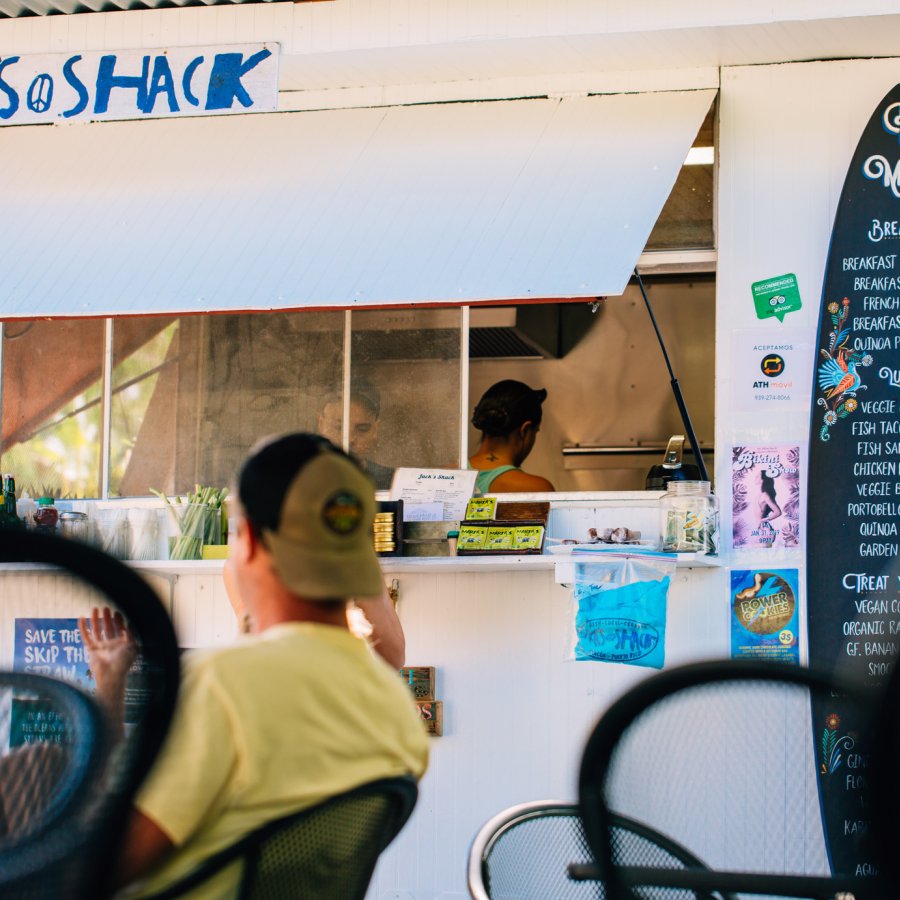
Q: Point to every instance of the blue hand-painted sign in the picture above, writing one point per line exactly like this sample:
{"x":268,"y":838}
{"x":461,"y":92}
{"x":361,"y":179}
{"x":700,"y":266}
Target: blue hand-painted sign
{"x":139,"y":84}
{"x":51,"y":647}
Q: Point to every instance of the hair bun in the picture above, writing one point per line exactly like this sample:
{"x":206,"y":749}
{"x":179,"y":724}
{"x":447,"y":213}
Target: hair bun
{"x":491,"y":419}
{"x":506,"y":405}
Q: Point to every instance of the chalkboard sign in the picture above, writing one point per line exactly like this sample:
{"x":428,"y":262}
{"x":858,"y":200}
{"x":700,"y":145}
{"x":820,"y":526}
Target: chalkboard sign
{"x":853,"y":544}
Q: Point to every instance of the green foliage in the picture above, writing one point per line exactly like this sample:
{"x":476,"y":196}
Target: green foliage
{"x":62,"y":458}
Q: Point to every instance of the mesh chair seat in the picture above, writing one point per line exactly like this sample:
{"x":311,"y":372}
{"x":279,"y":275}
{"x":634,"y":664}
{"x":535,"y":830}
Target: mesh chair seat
{"x":46,"y":788}
{"x":527,"y":852}
{"x":721,"y":757}
{"x":64,"y":792}
{"x":326,"y":852}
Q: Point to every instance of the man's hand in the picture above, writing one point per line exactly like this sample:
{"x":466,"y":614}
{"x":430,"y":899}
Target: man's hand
{"x":111,"y":653}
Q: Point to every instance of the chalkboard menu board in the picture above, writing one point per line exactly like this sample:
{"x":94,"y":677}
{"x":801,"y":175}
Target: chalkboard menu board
{"x":853,"y":544}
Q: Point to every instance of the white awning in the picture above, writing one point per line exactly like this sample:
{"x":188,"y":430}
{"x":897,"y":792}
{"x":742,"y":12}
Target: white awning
{"x":461,"y":202}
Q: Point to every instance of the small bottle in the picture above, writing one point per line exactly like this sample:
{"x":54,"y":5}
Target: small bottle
{"x":25,"y":509}
{"x":689,"y":518}
{"x":10,"y":515}
{"x":46,"y":515}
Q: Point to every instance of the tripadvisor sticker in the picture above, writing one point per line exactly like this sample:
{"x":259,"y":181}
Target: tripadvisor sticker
{"x":776,"y":297}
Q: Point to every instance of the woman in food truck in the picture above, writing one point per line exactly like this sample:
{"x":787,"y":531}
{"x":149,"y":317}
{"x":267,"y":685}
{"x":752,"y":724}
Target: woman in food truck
{"x":508,"y":415}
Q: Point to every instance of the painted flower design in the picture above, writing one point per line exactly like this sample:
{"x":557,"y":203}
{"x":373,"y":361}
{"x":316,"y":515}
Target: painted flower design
{"x":740,"y":500}
{"x":850,"y":405}
{"x":867,"y":359}
{"x":832,"y":721}
{"x":833,"y":308}
{"x":830,"y":417}
{"x":789,"y":534}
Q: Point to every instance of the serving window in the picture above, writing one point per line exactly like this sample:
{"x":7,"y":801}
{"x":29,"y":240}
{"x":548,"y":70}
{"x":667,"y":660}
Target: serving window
{"x":116,"y":407}
{"x":188,"y":396}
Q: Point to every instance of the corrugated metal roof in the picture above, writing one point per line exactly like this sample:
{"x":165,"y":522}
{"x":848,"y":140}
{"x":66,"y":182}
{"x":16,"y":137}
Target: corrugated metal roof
{"x":438,"y":203}
{"x":11,"y":9}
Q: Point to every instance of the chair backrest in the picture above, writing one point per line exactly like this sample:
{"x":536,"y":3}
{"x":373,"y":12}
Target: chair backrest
{"x":721,"y":757}
{"x":326,"y":852}
{"x":884,"y":786}
{"x":81,"y":791}
{"x":55,"y":738}
{"x":525,"y":851}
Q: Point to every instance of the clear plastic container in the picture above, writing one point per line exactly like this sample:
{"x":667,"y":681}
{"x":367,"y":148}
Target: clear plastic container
{"x":111,"y":531}
{"x":689,"y":518}
{"x":144,"y":527}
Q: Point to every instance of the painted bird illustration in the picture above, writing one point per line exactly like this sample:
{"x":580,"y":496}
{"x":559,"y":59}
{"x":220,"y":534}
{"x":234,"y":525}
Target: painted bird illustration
{"x":838,"y":376}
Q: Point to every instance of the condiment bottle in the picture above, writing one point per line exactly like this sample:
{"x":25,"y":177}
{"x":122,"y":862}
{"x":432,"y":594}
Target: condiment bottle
{"x":46,"y":515}
{"x":10,"y":517}
{"x":688,"y":518}
{"x":25,"y":509}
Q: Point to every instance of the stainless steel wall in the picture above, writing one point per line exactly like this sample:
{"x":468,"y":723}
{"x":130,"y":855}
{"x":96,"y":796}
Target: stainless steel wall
{"x":613,"y":388}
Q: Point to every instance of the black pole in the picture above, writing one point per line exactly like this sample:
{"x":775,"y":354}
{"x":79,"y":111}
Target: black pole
{"x":676,"y":387}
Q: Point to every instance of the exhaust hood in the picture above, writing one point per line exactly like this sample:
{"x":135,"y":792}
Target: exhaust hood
{"x":534,"y":331}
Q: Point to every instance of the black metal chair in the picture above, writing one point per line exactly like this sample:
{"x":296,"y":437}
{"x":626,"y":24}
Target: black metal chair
{"x":326,"y":852}
{"x":538,"y":850}
{"x":720,"y":757}
{"x":67,"y":794}
{"x":45,"y":783}
{"x":884,"y":786}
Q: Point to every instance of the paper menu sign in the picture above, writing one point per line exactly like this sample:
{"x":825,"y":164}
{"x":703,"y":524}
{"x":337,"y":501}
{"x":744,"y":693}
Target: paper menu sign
{"x":450,"y":487}
{"x":423,"y":512}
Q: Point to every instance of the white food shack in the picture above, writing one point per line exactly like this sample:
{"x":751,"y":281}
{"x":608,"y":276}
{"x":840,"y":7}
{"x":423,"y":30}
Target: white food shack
{"x":219,"y":218}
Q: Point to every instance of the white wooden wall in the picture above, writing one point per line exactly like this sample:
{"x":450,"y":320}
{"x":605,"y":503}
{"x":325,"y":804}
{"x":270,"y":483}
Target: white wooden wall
{"x":516,"y":712}
{"x":786,"y":136}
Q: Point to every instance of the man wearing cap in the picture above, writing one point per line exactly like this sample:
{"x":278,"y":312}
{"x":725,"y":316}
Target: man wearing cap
{"x":298,"y":712}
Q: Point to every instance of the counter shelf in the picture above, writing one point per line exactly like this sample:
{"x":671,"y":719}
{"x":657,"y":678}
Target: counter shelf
{"x":389,"y":565}
{"x":571,"y":514}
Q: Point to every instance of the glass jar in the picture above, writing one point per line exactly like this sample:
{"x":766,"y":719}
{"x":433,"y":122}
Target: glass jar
{"x":46,"y":515}
{"x":74,"y":525}
{"x":688,"y":518}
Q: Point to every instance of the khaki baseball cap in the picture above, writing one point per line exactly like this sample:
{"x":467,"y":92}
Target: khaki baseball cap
{"x":315,"y":508}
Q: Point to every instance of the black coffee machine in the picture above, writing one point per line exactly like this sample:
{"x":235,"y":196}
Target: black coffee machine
{"x":671,"y":468}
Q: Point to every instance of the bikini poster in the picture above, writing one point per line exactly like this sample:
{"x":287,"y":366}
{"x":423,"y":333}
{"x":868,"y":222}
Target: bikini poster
{"x":765,"y":491}
{"x":765,"y":615}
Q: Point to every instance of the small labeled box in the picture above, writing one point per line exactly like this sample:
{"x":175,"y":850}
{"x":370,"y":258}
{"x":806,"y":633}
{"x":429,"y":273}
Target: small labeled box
{"x":471,"y":537}
{"x":500,"y":537}
{"x":479,"y":508}
{"x":528,"y":538}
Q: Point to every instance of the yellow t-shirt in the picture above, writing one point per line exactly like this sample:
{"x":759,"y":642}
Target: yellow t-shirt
{"x":271,"y":725}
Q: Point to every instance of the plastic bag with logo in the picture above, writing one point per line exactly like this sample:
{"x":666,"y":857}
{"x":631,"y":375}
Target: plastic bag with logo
{"x":620,"y":608}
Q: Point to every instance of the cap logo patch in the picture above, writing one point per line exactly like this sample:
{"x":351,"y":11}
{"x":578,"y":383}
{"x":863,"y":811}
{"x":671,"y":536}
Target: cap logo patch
{"x":342,"y":512}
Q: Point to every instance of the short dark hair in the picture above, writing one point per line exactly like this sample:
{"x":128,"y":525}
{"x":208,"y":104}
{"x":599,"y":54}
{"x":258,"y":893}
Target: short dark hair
{"x":507,"y":405}
{"x":363,"y":392}
{"x":266,"y":473}
{"x":313,"y":508}
{"x":367,"y":394}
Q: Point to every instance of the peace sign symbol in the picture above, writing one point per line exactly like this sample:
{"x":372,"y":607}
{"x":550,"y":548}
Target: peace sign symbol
{"x":40,"y":93}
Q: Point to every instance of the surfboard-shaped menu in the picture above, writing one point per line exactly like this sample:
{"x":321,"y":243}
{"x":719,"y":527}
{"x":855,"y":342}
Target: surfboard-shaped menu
{"x":853,"y":523}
